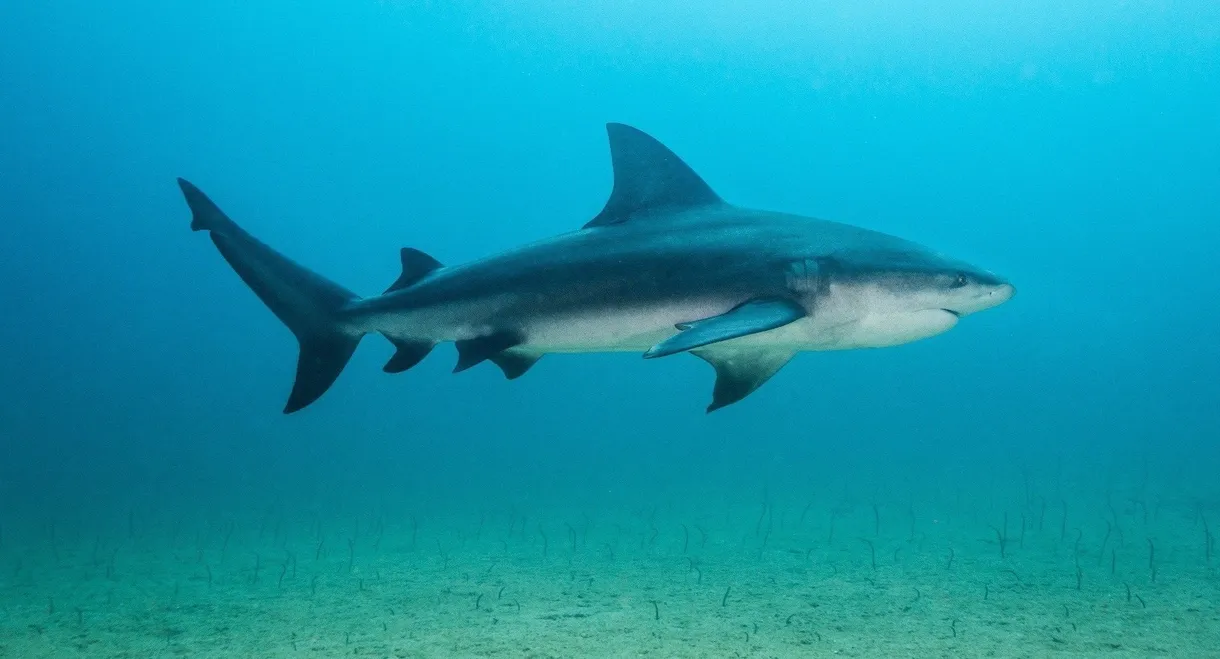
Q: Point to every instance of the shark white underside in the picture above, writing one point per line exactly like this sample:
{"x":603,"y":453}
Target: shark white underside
{"x":638,"y":330}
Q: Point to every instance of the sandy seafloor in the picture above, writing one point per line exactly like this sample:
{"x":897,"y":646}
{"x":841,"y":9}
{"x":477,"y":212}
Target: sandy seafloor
{"x":617,"y":583}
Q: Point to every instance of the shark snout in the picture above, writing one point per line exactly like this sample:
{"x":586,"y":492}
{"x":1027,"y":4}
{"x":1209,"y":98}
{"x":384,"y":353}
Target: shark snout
{"x":994,"y":296}
{"x":1002,"y":293}
{"x":982,"y":298}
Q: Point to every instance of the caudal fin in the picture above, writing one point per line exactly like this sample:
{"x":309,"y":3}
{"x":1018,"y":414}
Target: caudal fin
{"x":303,"y":300}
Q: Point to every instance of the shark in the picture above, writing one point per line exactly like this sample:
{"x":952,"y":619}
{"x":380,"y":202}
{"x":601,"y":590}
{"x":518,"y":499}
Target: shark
{"x":666,"y":267}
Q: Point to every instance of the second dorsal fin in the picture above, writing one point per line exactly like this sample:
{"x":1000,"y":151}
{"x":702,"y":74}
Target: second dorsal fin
{"x":648,"y":177}
{"x":415,"y":266}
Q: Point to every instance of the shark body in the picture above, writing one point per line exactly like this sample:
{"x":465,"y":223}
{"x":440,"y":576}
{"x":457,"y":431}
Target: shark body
{"x":666,"y":267}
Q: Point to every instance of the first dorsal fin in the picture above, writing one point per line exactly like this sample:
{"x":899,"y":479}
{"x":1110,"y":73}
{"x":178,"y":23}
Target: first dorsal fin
{"x":648,"y":177}
{"x":415,"y":266}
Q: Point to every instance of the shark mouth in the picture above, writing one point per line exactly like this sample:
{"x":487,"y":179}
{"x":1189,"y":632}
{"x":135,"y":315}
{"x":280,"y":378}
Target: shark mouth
{"x":954,"y":313}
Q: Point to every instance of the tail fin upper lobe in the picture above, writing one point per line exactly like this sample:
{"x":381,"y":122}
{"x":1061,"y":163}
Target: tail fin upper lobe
{"x":303,"y":300}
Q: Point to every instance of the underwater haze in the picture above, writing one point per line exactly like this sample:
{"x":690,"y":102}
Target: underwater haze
{"x":1042,"y":480}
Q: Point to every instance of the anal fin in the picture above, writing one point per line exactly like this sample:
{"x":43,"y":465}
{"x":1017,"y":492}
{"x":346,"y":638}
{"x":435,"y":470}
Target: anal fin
{"x":739,"y":372}
{"x":480,"y":349}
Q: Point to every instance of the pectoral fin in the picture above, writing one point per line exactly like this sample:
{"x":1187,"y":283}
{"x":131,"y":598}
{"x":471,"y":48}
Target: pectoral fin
{"x":740,"y":372}
{"x":749,"y":318}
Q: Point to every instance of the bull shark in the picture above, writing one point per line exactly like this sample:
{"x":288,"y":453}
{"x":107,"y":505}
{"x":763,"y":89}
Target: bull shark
{"x":666,"y":267}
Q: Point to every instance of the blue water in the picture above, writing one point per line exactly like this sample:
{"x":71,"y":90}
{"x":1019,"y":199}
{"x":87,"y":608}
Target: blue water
{"x":1071,"y":146}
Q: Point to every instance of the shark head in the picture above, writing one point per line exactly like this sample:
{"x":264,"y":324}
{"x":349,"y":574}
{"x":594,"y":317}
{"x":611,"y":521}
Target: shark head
{"x":898,"y":295}
{"x":936,"y":282}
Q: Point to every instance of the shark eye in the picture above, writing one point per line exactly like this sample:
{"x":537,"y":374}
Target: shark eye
{"x":960,"y":280}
